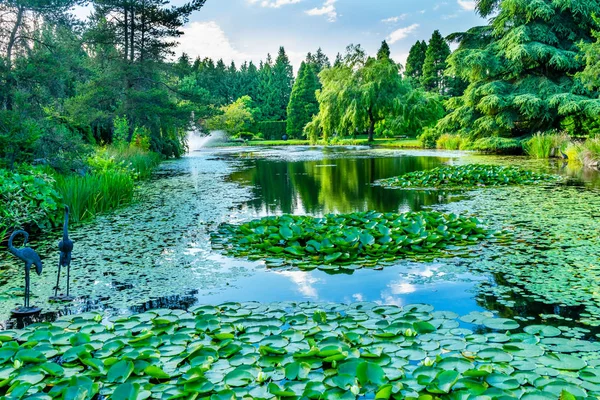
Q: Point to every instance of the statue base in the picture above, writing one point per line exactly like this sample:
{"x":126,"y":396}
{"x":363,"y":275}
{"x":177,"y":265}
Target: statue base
{"x":25,"y":311}
{"x":61,"y":298}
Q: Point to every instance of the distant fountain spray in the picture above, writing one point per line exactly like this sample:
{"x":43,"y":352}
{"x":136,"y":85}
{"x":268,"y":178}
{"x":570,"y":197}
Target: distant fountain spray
{"x":198,"y":140}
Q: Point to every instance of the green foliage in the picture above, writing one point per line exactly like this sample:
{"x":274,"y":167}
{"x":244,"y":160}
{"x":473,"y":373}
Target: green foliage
{"x":120,"y":130}
{"x":357,"y":95}
{"x":429,"y":138}
{"x":434,"y":65}
{"x":520,"y":70}
{"x":281,"y":350}
{"x":18,"y":136}
{"x":545,"y":145}
{"x":90,"y":195}
{"x":272,"y":130}
{"x":303,"y":101}
{"x":415,"y":61}
{"x":235,"y":118}
{"x":351,"y":240}
{"x":27,"y":200}
{"x":450,"y":142}
{"x":417,"y":111}
{"x":496,"y":145}
{"x":467,"y":176}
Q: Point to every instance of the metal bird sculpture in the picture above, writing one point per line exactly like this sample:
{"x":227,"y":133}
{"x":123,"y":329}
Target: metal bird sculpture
{"x":30,"y":258}
{"x":66,"y":247}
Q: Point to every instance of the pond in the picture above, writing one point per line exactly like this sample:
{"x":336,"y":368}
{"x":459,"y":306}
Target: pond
{"x":157,"y":252}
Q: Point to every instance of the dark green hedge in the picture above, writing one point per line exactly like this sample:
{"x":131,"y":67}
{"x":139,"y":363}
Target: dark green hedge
{"x":272,"y":130}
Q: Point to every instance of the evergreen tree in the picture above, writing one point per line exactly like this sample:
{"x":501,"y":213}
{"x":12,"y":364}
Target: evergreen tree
{"x":384,"y":51}
{"x":319,"y":60}
{"x":282,"y":82}
{"x":520,"y":69}
{"x":435,"y":63}
{"x":415,"y":61}
{"x":303,"y":100}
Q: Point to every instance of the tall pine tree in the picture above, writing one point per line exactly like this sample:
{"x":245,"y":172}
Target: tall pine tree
{"x":303,"y":100}
{"x":520,"y":69}
{"x":435,"y":63}
{"x":415,"y":61}
{"x":282,"y":82}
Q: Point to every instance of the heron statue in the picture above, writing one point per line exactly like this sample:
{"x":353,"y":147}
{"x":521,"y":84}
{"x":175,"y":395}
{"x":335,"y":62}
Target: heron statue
{"x":66,"y":247}
{"x":30,"y":258}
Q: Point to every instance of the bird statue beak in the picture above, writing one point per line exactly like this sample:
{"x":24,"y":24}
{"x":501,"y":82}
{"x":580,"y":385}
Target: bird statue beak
{"x":38,"y":269}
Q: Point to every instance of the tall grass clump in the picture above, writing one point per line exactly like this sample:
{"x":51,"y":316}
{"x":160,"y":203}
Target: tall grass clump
{"x":140,"y":161}
{"x":90,"y":195}
{"x":545,"y":145}
{"x":450,"y":142}
{"x":497,"y":145}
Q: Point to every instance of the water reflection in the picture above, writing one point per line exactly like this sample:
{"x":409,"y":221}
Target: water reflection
{"x":333,"y":185}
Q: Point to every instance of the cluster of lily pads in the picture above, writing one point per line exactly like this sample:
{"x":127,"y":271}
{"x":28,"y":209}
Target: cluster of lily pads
{"x":313,"y":351}
{"x":352,"y":240}
{"x":467,"y":176}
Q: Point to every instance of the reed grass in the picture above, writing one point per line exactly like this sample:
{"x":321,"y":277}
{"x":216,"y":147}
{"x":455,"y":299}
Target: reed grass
{"x":545,"y":145}
{"x":448,"y":141}
{"x":90,"y":195}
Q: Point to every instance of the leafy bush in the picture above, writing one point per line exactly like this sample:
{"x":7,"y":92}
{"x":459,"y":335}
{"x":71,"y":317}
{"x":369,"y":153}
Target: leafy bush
{"x":272,"y":130}
{"x":450,"y":142}
{"x":18,"y":136}
{"x":63,"y":150}
{"x":466,"y":176}
{"x":346,"y":239}
{"x":545,"y":145}
{"x":429,"y":138}
{"x":141,"y":139}
{"x":27,"y":200}
{"x":496,"y":145}
{"x":120,"y":130}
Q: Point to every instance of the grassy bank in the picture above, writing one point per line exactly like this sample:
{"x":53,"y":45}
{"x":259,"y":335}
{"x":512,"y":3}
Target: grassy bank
{"x":32,"y":197}
{"x":359,"y":141}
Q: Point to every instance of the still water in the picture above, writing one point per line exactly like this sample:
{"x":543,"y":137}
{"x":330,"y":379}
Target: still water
{"x":157,"y":252}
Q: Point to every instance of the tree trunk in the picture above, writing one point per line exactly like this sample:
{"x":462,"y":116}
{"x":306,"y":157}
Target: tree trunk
{"x":126,"y":31}
{"x":132,"y":37}
{"x":371,"y":126}
{"x":10,"y":81}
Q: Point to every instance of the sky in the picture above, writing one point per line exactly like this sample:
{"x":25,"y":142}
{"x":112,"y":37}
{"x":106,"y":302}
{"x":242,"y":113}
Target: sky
{"x":244,"y":30}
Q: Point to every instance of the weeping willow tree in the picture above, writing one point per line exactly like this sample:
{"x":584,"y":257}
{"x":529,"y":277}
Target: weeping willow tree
{"x":521,"y":69}
{"x":357,"y":94}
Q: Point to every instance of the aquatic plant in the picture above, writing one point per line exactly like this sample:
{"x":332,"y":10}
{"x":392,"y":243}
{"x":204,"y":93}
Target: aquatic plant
{"x":449,"y":141}
{"x":345,"y":240}
{"x":467,"y":176}
{"x":269,"y":351}
{"x":545,"y":145}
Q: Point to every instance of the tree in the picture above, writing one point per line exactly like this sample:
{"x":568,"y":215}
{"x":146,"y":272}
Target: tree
{"x":303,"y":100}
{"x":384,"y":51}
{"x":415,"y":61}
{"x":236,"y":117}
{"x":520,"y":69}
{"x":319,"y":60}
{"x":281,"y":85}
{"x":435,"y":63}
{"x":357,"y":95}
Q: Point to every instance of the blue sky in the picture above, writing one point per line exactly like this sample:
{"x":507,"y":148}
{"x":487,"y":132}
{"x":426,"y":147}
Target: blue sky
{"x":249,"y":29}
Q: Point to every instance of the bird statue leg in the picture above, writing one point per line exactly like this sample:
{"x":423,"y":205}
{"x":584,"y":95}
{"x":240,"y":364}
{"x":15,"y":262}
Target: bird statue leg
{"x":27,"y":267}
{"x":68,"y":278}
{"x":57,"y":281}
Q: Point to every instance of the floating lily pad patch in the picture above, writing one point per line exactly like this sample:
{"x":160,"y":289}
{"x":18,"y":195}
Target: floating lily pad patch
{"x":351,"y":240}
{"x":299,"y":350}
{"x":467,"y":176}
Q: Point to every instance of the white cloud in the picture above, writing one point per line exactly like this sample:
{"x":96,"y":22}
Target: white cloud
{"x":449,"y":16}
{"x":274,"y":3}
{"x":328,"y":9}
{"x":468,"y":5}
{"x":394,"y":19}
{"x":401,"y":33}
{"x":207,"y":39}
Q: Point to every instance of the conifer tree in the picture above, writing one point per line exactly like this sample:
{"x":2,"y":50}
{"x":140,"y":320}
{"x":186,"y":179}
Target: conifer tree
{"x":384,"y":51}
{"x":303,"y":100}
{"x":435,"y":63}
{"x":520,"y":69}
{"x":282,"y":82}
{"x":415,"y":61}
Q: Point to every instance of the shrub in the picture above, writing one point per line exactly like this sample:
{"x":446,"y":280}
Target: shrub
{"x":496,"y":145}
{"x":141,"y":139}
{"x":63,"y":150}
{"x":450,"y":142}
{"x":545,"y":145}
{"x":272,"y":130}
{"x":27,"y":199}
{"x":429,"y":138}
{"x":120,"y":130}
{"x":17,"y":138}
